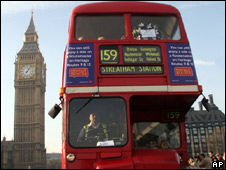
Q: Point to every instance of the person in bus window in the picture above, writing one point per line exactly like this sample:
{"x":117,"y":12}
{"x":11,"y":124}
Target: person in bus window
{"x":81,"y":38}
{"x":123,"y":37}
{"x":101,"y":38}
{"x":153,"y":144}
{"x":164,"y":144}
{"x":94,"y":131}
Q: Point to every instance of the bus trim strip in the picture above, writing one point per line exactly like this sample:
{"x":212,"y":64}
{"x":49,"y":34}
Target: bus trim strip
{"x":185,"y":88}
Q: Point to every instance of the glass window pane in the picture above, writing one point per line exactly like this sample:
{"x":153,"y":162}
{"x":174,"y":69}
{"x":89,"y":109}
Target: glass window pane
{"x":187,"y":131}
{"x":203,"y":138}
{"x":196,"y":146}
{"x":156,"y":135}
{"x":202,"y":130}
{"x":100,"y":27}
{"x":188,"y":139}
{"x":210,"y":130}
{"x":155,"y":28}
{"x":195,"y":138}
{"x":194,"y":131}
{"x":100,"y":122}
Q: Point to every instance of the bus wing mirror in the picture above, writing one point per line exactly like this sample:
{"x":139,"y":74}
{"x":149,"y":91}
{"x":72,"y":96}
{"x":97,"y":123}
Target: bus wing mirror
{"x":55,"y":110}
{"x":206,"y":104}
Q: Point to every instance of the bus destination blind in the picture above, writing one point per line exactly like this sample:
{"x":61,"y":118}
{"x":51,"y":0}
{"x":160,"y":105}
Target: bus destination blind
{"x":173,"y":115}
{"x":142,"y":54}
{"x":131,"y":70}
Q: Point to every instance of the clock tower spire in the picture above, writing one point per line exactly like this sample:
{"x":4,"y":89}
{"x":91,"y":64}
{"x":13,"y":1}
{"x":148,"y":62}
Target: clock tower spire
{"x":30,"y":87}
{"x":30,"y":38}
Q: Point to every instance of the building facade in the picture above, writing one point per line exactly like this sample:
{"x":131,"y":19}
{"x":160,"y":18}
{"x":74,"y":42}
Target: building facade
{"x":7,"y":154}
{"x":28,"y":147}
{"x":205,"y":130}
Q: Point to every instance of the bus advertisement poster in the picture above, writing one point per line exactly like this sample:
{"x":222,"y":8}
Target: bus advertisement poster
{"x":181,"y":64}
{"x":79,"y":64}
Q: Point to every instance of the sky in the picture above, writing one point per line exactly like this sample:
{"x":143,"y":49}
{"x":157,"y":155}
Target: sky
{"x":204,"y":22}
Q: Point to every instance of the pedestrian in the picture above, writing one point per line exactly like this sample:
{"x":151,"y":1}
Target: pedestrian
{"x":211,"y":155}
{"x":220,"y":159}
{"x":205,"y":163}
{"x":192,"y":164}
{"x":196,"y":160}
{"x":224,"y":160}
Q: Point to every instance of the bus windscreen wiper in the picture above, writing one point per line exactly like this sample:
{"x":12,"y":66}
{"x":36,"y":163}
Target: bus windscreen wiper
{"x":91,"y":98}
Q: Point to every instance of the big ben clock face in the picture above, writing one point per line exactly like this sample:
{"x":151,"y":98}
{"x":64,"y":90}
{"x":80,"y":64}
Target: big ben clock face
{"x":27,"y":71}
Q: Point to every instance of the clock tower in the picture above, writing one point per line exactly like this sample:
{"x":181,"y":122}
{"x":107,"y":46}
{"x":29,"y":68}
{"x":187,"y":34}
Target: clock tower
{"x":30,"y":87}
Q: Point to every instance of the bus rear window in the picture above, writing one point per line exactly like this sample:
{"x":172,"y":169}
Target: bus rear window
{"x":155,"y":28}
{"x":100,"y":27}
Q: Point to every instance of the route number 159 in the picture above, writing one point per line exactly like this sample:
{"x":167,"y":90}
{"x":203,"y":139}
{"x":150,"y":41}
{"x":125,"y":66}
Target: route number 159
{"x":109,"y":55}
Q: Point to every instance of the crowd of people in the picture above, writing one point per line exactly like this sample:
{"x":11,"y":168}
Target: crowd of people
{"x":205,"y":162}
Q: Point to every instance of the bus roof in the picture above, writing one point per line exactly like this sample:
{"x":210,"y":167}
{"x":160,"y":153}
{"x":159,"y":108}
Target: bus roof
{"x":124,"y":7}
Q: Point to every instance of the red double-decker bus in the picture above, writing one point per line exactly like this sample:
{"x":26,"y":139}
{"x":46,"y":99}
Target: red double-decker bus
{"x":128,"y":81}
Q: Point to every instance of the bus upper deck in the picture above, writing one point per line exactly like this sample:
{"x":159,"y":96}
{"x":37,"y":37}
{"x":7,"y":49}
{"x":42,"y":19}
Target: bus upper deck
{"x":125,"y":43}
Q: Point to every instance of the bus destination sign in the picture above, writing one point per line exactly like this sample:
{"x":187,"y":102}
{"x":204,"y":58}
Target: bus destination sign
{"x":142,"y":54}
{"x":131,"y":70}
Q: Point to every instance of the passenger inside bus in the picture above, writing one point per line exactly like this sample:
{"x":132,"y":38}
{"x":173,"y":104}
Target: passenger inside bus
{"x":123,"y":37}
{"x":164,"y":144}
{"x":101,"y":38}
{"x":80,"y":38}
{"x":156,"y":135}
{"x":153,"y":144}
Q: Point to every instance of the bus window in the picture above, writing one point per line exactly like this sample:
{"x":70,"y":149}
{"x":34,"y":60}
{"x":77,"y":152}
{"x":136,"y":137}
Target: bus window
{"x":155,"y":28}
{"x":100,"y":27}
{"x":97,"y":122}
{"x":156,"y":135}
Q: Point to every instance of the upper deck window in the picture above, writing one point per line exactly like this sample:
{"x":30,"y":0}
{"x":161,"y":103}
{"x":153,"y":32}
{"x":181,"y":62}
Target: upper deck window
{"x":155,"y":28}
{"x":100,"y":27}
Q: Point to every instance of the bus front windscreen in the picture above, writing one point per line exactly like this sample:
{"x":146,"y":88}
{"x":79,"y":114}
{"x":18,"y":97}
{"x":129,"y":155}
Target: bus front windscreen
{"x":100,"y":27}
{"x":155,"y":28}
{"x":97,"y":122}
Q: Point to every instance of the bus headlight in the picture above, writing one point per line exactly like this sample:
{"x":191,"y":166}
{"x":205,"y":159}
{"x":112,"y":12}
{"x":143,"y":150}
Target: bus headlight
{"x":70,"y":157}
